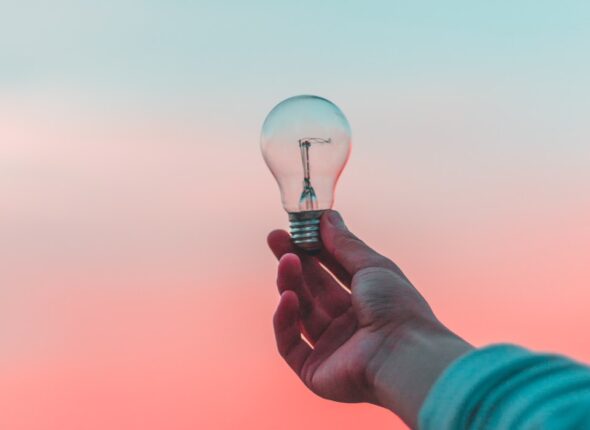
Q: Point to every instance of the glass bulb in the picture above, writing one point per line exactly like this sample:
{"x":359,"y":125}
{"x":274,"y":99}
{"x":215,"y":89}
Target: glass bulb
{"x":305,"y":142}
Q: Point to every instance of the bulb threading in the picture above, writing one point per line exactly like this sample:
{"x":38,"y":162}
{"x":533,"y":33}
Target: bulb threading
{"x":305,"y":229}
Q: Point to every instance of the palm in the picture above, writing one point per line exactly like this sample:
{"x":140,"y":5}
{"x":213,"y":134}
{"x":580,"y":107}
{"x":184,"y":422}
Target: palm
{"x":342,"y":375}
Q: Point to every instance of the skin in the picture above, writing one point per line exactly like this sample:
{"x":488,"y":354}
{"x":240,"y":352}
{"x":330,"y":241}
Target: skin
{"x":375,"y":341}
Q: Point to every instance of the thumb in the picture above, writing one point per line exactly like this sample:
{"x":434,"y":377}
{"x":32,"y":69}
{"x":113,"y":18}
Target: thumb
{"x":347,"y":249}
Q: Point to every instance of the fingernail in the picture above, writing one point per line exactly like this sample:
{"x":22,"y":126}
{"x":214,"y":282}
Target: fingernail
{"x":335,"y":219}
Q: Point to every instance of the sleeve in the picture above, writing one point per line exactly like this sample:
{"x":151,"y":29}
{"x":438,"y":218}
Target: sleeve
{"x":507,"y":387}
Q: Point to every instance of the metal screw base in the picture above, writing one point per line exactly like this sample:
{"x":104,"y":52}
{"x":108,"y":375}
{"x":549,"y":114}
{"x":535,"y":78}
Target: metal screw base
{"x":305,"y":229}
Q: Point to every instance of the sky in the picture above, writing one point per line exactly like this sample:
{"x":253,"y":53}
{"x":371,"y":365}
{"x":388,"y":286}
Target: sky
{"x":136,"y":289}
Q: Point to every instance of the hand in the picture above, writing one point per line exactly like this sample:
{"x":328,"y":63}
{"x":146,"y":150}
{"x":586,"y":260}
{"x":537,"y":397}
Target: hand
{"x":365,"y":344}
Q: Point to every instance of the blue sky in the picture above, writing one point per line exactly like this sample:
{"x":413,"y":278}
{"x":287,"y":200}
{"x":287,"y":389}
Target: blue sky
{"x":178,"y":47}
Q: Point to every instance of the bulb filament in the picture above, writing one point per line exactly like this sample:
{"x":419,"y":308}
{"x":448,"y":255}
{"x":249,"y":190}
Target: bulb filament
{"x":308,"y":200}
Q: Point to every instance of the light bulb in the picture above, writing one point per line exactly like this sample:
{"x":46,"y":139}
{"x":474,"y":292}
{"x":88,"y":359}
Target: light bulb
{"x":305,"y":142}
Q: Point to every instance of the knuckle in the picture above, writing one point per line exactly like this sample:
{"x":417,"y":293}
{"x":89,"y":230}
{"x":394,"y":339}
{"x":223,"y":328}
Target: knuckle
{"x":372,"y":272}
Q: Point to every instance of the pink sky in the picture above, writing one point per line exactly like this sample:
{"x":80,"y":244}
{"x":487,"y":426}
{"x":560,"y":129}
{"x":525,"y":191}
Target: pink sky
{"x":137,"y":291}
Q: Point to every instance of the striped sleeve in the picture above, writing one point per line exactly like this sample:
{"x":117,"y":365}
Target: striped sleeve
{"x":508,"y":387}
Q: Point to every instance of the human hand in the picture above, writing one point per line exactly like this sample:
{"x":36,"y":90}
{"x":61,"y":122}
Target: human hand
{"x":363,"y":342}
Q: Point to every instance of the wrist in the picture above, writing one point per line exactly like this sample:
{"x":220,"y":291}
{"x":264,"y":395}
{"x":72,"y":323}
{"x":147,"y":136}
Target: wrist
{"x":409,"y":362}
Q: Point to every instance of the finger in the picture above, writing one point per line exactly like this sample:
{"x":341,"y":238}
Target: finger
{"x":290,"y":277}
{"x":348,"y":250}
{"x":334,"y":267}
{"x":331,"y":296}
{"x":280,"y":243}
{"x":289,"y":342}
{"x":337,"y":334}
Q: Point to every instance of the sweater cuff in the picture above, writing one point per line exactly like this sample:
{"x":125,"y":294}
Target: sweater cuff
{"x":454,"y":396}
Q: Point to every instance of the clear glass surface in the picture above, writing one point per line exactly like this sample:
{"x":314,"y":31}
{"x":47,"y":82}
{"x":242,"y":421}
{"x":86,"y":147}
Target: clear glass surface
{"x":305,"y":142}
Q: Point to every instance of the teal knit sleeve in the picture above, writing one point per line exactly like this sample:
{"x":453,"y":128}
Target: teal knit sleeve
{"x":509,"y":388}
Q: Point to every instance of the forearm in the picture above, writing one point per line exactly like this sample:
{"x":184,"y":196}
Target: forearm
{"x":410,"y":362}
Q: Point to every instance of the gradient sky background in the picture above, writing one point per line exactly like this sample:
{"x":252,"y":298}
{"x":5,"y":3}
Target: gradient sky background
{"x":136,"y":289}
